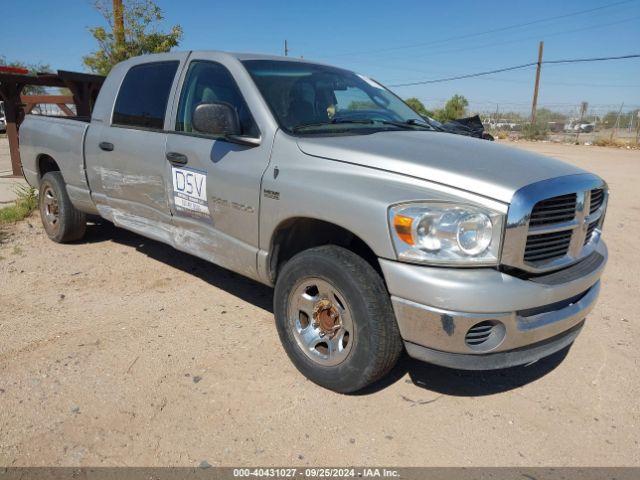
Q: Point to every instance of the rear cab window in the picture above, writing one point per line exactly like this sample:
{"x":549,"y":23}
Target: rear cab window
{"x":144,"y":94}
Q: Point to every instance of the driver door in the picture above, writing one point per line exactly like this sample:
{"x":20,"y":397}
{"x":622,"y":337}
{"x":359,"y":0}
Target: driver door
{"x":215,"y":189}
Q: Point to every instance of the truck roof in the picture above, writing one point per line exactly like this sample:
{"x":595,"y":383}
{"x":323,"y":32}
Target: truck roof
{"x":260,"y":56}
{"x":237,"y":55}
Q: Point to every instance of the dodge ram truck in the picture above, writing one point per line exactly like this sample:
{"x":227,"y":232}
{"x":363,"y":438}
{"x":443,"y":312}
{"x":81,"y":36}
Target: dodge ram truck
{"x":379,"y":233}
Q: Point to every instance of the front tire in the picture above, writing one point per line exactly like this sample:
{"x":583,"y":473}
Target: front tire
{"x":335,"y":319}
{"x":61,"y":220}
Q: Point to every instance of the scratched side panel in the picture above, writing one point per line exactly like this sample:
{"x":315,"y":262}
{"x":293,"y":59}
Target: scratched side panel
{"x":135,"y":222}
{"x":195,"y":238}
{"x":216,"y":246}
{"x":130,"y":181}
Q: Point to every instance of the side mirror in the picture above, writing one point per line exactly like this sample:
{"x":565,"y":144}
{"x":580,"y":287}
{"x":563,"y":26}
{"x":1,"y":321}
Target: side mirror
{"x":216,"y":119}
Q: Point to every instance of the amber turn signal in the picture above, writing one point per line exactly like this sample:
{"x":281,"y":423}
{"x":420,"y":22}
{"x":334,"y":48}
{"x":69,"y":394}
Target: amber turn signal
{"x":402,"y":224}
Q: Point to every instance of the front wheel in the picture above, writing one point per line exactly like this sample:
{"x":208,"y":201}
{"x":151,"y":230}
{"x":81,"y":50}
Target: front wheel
{"x":335,"y":319}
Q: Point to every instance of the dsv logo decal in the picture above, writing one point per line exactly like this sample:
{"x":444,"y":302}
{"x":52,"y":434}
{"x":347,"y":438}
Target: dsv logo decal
{"x":190,"y":183}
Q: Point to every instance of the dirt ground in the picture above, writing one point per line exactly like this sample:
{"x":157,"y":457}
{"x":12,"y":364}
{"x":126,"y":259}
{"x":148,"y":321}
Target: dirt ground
{"x":121,"y":351}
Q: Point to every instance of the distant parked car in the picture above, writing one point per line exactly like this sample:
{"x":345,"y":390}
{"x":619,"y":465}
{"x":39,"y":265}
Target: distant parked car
{"x":503,"y":124}
{"x":582,"y":127}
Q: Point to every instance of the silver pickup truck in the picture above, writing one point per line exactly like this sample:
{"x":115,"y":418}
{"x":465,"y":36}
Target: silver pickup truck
{"x":379,"y":233}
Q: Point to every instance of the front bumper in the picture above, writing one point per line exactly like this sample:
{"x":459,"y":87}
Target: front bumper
{"x":527,"y":319}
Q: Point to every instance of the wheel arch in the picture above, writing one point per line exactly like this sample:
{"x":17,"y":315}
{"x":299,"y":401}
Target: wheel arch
{"x":297,"y":234}
{"x":45,"y":164}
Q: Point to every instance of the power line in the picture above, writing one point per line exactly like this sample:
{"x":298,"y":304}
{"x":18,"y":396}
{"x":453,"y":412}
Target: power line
{"x":469,"y":75}
{"x":565,"y":84}
{"x":594,"y":59}
{"x":431,"y":54}
{"x":486,"y":32}
{"x":515,"y":67}
{"x":484,"y":46}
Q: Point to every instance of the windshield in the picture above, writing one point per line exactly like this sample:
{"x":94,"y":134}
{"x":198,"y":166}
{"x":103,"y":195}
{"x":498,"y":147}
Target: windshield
{"x":307,"y":98}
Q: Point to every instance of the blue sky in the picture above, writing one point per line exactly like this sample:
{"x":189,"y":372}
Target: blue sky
{"x":394,"y":42}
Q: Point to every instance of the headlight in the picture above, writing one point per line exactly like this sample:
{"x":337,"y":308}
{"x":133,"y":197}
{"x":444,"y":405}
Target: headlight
{"x":446,"y":233}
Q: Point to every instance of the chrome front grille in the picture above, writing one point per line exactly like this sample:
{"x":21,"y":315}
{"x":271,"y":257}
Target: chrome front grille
{"x":597,"y":198}
{"x":554,"y":210}
{"x":554,"y":223}
{"x":590,"y":230}
{"x":547,"y":245}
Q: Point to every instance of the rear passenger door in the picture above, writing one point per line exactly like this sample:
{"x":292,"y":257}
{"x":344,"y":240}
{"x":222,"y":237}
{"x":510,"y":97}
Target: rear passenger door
{"x":127,"y":157}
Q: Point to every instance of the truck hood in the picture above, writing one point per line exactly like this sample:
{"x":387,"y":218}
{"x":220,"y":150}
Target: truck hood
{"x":478,"y":166}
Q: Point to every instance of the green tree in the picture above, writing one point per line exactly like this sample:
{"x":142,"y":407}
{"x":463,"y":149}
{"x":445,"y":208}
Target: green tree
{"x":33,"y":69}
{"x":141,"y":35}
{"x":362,"y":105}
{"x":456,"y":107}
{"x":544,"y":116}
{"x":610,"y":118}
{"x":418,"y":107}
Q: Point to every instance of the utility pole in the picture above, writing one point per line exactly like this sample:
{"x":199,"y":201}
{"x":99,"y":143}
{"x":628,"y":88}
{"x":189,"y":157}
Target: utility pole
{"x":118,"y":23}
{"x":537,"y":84}
{"x":286,"y":49}
{"x":615,"y":127}
{"x":583,"y":111}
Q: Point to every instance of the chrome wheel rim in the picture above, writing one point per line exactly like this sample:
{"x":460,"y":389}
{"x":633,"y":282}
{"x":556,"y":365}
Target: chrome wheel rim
{"x":321,"y":321}
{"x":50,"y":208}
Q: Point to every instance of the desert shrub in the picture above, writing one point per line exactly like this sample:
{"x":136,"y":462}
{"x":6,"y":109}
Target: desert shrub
{"x":25,"y":203}
{"x":535,"y":131}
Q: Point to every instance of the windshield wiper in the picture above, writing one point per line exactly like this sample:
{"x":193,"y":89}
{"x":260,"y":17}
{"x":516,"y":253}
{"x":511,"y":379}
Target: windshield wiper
{"x":409,"y":124}
{"x":426,"y":121}
{"x":305,"y":126}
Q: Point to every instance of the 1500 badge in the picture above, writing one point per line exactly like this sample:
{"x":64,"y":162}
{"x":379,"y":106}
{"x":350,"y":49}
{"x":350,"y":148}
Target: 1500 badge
{"x":226,"y":203}
{"x":272,"y":194}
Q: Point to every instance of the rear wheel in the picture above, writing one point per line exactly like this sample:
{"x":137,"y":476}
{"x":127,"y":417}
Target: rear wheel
{"x":61,"y":220}
{"x":335,"y":319}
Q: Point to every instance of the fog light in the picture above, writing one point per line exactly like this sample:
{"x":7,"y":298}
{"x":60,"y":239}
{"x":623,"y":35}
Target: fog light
{"x":485,"y":336}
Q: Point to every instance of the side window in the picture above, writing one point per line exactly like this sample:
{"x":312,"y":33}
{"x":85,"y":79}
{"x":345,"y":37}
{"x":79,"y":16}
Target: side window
{"x":209,"y":82}
{"x":142,"y":99}
{"x":353,"y":98}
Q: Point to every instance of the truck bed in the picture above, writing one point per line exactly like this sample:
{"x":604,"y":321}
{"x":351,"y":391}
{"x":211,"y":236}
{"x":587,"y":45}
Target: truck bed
{"x":61,"y":139}
{"x":77,"y":118}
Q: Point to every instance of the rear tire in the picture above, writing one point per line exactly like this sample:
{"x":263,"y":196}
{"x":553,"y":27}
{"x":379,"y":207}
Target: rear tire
{"x":61,"y":220}
{"x":321,"y":295}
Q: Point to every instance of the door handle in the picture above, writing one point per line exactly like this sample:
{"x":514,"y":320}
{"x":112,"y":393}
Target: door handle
{"x":106,"y":146}
{"x":177,"y":158}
